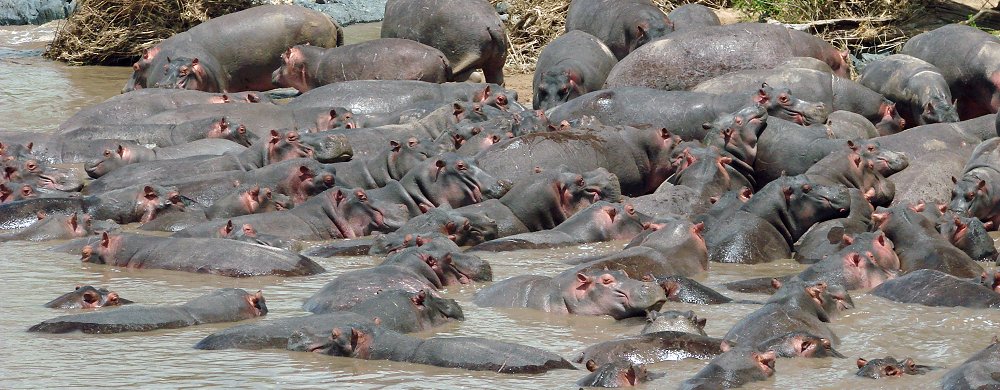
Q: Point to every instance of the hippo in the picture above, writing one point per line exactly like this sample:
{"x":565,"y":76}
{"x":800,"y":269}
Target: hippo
{"x":675,"y":321}
{"x":181,"y":135}
{"x":672,"y":247}
{"x":968,"y":59}
{"x":799,"y":307}
{"x":279,"y":147}
{"x":258,"y":120}
{"x":471,"y":353}
{"x":829,"y":236}
{"x":206,"y":58}
{"x":652,"y":348}
{"x":935,"y":288}
{"x":254,"y":200}
{"x":638,"y":157}
{"x":977,"y":194}
{"x":683,"y":113}
{"x":463,"y":229}
{"x":392,"y":163}
{"x":799,"y":344}
{"x":978,"y":372}
{"x":851,"y":269}
{"x":707,"y":170}
{"x":736,"y":135}
{"x":614,"y":374}
{"x":684,"y":289}
{"x":41,"y":176}
{"x":847,"y":167}
{"x":686,"y":58}
{"x":968,"y":234}
{"x":848,"y":125}
{"x":413,"y":269}
{"x":919,"y":245}
{"x":222,"y":305}
{"x":889,"y":367}
{"x":601,"y":221}
{"x":87,"y":297}
{"x":54,"y":227}
{"x":127,"y":205}
{"x":305,"y":67}
{"x":473,"y":35}
{"x":569,"y":66}
{"x":918,"y":88}
{"x":397,"y":310}
{"x":593,"y":292}
{"x":130,"y":152}
{"x":623,"y":26}
{"x":693,"y":16}
{"x":132,"y":107}
{"x":201,"y":255}
{"x":733,"y":368}
{"x":834,"y":92}
{"x":755,"y":234}
{"x":368,"y":97}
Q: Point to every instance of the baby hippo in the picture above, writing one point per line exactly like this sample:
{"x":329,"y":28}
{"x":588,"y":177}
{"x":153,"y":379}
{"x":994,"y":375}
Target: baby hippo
{"x":614,"y":374}
{"x":673,"y":320}
{"x":305,"y":67}
{"x":889,"y":367}
{"x":87,"y":297}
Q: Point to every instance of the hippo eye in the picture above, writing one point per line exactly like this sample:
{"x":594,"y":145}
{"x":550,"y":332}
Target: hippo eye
{"x":783,"y":99}
{"x":805,"y":345}
{"x":629,"y":209}
{"x":476,"y":130}
{"x":461,"y":166}
{"x":969,"y":196}
{"x":361,"y":196}
{"x":738,"y":121}
{"x":871,"y":148}
{"x":107,"y":153}
{"x":501,"y":100}
{"x":607,"y":279}
{"x":579,"y":181}
{"x":806,"y":188}
{"x":30,"y":165}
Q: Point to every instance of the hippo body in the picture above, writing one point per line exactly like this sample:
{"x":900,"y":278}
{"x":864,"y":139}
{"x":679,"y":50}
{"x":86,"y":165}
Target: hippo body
{"x":363,"y":97}
{"x":601,"y":221}
{"x":693,"y":16}
{"x":686,"y":58}
{"x":470,"y":353}
{"x":306,"y":67}
{"x":969,"y":60}
{"x":595,"y":292}
{"x":126,"y":205}
{"x":202,"y":255}
{"x":469,"y":33}
{"x":920,"y":91}
{"x":978,"y":372}
{"x":919,"y":245}
{"x":935,"y":288}
{"x":652,"y":348}
{"x":797,"y":308}
{"x":977,"y":192}
{"x":207,"y":57}
{"x":569,"y":66}
{"x":623,"y":25}
{"x":130,"y":153}
{"x":732,"y":369}
{"x":160,"y":135}
{"x":422,"y":312}
{"x":674,"y":321}
{"x":675,"y":247}
{"x":223,"y":305}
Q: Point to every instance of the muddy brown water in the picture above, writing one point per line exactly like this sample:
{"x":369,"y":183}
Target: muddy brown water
{"x":37,"y":95}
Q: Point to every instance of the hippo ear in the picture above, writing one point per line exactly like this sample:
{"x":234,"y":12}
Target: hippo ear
{"x":861,"y":362}
{"x":275,"y":136}
{"x":701,"y":322}
{"x":41,"y":215}
{"x":706,"y":125}
{"x":919,"y":207}
{"x":954,"y":180}
{"x":228,"y":229}
{"x":194,"y":61}
{"x":981,"y":186}
{"x":30,"y":146}
{"x":591,"y":365}
{"x":149,"y":192}
{"x":377,"y":321}
{"x":640,"y":30}
{"x":776,"y":283}
{"x":788,"y":192}
{"x":583,"y":283}
{"x":105,"y":240}
{"x":121,"y":151}
{"x":725,"y":346}
{"x":73,"y":222}
{"x":853,"y":259}
{"x":664,"y":133}
{"x":419,"y":298}
{"x":395,"y":146}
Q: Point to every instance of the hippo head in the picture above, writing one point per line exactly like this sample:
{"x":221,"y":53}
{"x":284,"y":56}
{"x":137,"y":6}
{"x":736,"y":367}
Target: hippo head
{"x":460,"y":268}
{"x":109,"y":161}
{"x":938,"y":110}
{"x":809,"y":203}
{"x":10,"y":192}
{"x":355,"y":341}
{"x":225,"y":129}
{"x":886,"y":162}
{"x":354,"y":214}
{"x":737,"y":133}
{"x":646,"y":25}
{"x":152,"y":200}
{"x":607,"y":221}
{"x":739,"y":365}
{"x":614,"y":374}
{"x":658,"y":144}
{"x":328,"y":148}
{"x":889,"y":367}
{"x":863,"y":174}
{"x":556,"y":86}
{"x":70,"y":226}
{"x":811,"y":297}
{"x":286,"y":146}
{"x":891,"y":122}
{"x":968,"y":234}
{"x":681,"y":238}
{"x":780,"y":103}
{"x":613,"y":293}
{"x":187,"y":73}
{"x":800,"y":344}
{"x":673,"y":320}
{"x":403,"y":156}
{"x":294,"y":70}
{"x":450,"y":179}
{"x":498,"y":97}
{"x":87,"y":297}
{"x":471,"y":138}
{"x":874,"y":246}
{"x":971,"y":197}
{"x":103,"y":252}
{"x":140,"y":70}
{"x":862,"y":272}
{"x":336,"y":118}
{"x":991,"y":281}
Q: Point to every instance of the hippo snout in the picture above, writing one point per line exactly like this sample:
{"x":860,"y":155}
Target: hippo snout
{"x":498,"y":190}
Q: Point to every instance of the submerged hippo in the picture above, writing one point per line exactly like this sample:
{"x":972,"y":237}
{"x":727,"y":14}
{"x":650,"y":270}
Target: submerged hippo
{"x":87,"y":297}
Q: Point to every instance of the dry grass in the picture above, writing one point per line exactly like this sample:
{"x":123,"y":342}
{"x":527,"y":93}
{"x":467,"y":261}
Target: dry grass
{"x":534,"y":23}
{"x":116,"y":31}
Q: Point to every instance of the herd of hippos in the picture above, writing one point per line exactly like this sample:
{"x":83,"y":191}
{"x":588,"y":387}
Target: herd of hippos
{"x":698,"y":142}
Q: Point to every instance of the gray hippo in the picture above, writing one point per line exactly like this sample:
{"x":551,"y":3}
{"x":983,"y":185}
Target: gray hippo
{"x":921,"y":93}
{"x":653,"y":348}
{"x":978,"y":372}
{"x":623,"y":25}
{"x":919,"y":244}
{"x":127,"y":205}
{"x":87,"y":297}
{"x":305,"y":67}
{"x":615,"y":374}
{"x":734,"y":368}
{"x":888,"y":367}
{"x":569,"y":66}
{"x":208,"y":57}
{"x":468,"y":32}
{"x":977,"y":193}
{"x":935,"y":288}
{"x":222,"y":305}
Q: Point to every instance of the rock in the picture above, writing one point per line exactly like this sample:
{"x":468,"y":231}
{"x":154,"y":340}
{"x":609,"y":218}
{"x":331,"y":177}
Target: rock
{"x":347,"y":12}
{"x":21,"y":12}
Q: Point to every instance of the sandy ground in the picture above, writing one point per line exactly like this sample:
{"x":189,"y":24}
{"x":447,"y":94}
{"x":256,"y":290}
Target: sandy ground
{"x":520,"y":83}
